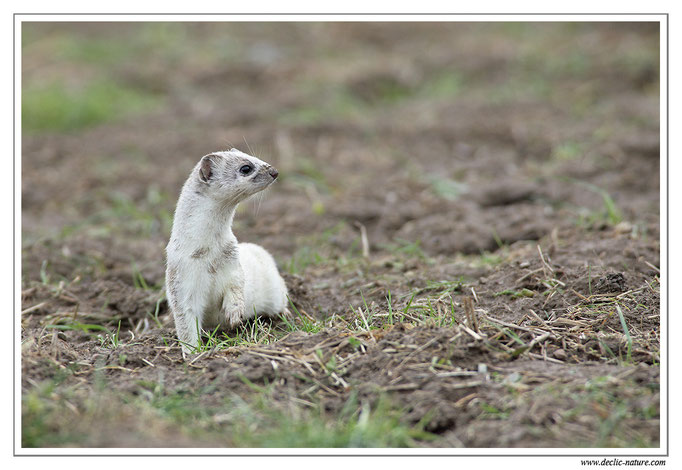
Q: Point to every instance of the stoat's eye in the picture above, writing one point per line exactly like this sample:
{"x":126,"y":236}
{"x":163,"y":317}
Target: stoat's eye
{"x":246,"y":169}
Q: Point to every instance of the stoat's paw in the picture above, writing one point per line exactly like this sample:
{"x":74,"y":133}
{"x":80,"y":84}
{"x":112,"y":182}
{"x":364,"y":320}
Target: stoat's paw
{"x":234,"y":313}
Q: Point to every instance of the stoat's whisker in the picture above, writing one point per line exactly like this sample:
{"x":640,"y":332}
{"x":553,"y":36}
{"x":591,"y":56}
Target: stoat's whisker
{"x":259,"y":199}
{"x":247,"y":145}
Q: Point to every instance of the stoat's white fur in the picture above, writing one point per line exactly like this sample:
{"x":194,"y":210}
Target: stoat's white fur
{"x":211,"y":280}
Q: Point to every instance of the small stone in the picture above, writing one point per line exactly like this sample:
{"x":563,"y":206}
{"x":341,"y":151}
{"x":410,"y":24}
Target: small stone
{"x":623,"y":227}
{"x":560,"y":354}
{"x":512,"y":378}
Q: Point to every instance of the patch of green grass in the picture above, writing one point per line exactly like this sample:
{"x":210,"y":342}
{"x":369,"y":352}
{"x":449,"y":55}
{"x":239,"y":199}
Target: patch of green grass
{"x":575,"y":64}
{"x":567,"y":151}
{"x":614,"y":408}
{"x":155,"y":316}
{"x":148,"y":216}
{"x":41,"y":410}
{"x":53,"y":414}
{"x":299,"y":321}
{"x":389,"y":90}
{"x":515,"y":294}
{"x":302,"y":258}
{"x":301,"y":115}
{"x":57,"y":282}
{"x":498,"y":241}
{"x":447,"y":188}
{"x":138,"y":279}
{"x":255,"y":331}
{"x":442,"y":288}
{"x":518,"y":86}
{"x":613,"y":214}
{"x":605,"y":407}
{"x":336,"y":103}
{"x":409,"y":303}
{"x":408,"y":248}
{"x":139,"y":42}
{"x":390,"y":307}
{"x":488,"y":258}
{"x":331,"y":105}
{"x":491,"y":412}
{"x":263,"y":421}
{"x":610,"y":213}
{"x":55,"y":107}
{"x":178,"y":406}
{"x":111,"y":340}
{"x":369,"y":312}
{"x":435,"y":310}
{"x":307,"y":172}
{"x":44,"y":276}
{"x":523,"y":347}
{"x":93,"y":50}
{"x":446,"y":84}
{"x":356,"y":425}
{"x":317,"y":249}
{"x":108,"y":339}
{"x":120,"y":214}
{"x":78,"y":326}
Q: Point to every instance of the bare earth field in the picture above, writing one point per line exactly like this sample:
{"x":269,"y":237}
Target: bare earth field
{"x":467,"y":219}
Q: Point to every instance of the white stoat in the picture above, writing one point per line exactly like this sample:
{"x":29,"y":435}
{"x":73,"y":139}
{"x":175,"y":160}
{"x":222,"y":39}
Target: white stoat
{"x":211,"y":279}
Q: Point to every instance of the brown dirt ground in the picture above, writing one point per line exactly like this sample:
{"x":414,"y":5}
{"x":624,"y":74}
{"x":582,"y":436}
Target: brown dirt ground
{"x":481,"y":189}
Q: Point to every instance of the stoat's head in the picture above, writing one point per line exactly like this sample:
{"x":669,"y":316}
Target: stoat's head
{"x":232,"y":176}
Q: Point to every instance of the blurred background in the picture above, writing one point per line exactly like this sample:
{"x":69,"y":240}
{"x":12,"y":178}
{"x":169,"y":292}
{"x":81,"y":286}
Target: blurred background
{"x":384,"y":123}
{"x":441,"y":139}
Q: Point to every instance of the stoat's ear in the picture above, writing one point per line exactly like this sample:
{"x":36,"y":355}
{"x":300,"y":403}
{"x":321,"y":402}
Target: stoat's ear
{"x":206,"y":168}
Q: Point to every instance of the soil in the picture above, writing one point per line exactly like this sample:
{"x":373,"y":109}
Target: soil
{"x":511,"y":213}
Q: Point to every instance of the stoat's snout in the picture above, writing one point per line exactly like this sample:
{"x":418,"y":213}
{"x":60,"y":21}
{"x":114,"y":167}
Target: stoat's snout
{"x":273,"y":172}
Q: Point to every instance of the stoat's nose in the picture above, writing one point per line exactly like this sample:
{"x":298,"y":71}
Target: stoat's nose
{"x":273,"y":172}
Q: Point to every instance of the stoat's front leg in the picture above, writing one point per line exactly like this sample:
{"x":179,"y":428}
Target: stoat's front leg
{"x":187,"y":301}
{"x":233,"y":309}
